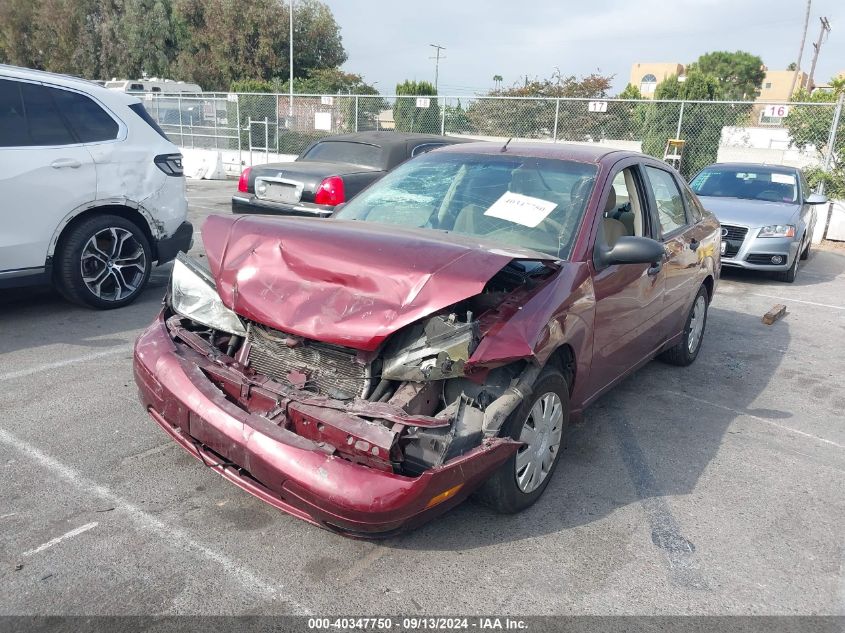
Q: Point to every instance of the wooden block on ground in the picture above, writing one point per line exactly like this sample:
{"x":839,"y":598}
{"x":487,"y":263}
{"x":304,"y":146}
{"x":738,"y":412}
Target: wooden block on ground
{"x":778,"y":311}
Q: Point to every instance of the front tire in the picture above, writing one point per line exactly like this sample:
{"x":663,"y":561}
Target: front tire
{"x":540,"y":423}
{"x":685,"y":352}
{"x":788,"y":276}
{"x":103,"y":262}
{"x":805,"y":254}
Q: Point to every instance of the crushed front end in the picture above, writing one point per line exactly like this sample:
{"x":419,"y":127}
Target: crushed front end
{"x":364,"y":442}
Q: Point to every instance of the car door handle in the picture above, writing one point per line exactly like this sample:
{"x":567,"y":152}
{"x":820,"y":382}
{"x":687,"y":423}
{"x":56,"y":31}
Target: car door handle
{"x":59,"y":163}
{"x":694,"y":244}
{"x":655,"y":268}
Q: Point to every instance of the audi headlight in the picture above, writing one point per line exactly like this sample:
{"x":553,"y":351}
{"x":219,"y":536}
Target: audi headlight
{"x":777,"y":230}
{"x":193,"y":295}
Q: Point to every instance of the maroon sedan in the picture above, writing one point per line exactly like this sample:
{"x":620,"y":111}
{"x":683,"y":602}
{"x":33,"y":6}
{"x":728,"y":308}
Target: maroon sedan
{"x":435,"y":337}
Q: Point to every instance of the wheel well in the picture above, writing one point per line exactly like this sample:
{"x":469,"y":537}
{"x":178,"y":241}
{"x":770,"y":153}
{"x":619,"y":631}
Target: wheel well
{"x":127,"y":213}
{"x":708,"y":283}
{"x":563,"y":359}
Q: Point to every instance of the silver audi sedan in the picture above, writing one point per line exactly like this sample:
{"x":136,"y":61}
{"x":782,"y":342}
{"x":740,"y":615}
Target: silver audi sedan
{"x":767,"y":214}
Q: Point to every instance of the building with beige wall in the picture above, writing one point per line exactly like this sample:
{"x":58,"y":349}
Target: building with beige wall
{"x":777,"y":83}
{"x":775,"y":87}
{"x":646,"y":75}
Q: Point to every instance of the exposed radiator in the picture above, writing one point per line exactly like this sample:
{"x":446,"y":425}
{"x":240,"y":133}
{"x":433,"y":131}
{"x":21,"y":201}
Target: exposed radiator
{"x":326,"y":369}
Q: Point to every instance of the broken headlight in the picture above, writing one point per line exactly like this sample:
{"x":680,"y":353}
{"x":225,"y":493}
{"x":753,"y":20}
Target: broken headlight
{"x":432,"y":350}
{"x":194,"y":296}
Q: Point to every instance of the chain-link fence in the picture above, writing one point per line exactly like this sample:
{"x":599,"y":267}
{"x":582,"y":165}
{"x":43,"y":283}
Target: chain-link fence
{"x":278,"y":124}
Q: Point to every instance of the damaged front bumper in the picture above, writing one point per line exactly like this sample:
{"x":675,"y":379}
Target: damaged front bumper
{"x":304,"y":477}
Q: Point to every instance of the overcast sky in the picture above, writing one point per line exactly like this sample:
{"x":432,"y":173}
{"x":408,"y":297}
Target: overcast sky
{"x":388,"y":40}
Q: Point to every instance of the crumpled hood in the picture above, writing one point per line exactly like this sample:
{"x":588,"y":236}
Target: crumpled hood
{"x":753,"y":213}
{"x":344,"y":282}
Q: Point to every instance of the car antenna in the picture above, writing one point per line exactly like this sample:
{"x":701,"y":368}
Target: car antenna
{"x":505,"y":146}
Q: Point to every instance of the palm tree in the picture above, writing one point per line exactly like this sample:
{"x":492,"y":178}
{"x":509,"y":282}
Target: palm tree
{"x":498,"y":80}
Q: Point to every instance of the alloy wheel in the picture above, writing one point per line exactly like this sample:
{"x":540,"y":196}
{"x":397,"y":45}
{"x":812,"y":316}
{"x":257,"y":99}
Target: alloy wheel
{"x":541,"y":434}
{"x":113,"y":264}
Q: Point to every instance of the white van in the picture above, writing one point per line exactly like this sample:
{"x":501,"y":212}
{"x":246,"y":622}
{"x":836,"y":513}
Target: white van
{"x":91,"y":190}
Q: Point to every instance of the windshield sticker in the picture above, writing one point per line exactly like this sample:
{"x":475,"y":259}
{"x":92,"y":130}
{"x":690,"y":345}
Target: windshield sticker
{"x":524,"y":210}
{"x":786,"y":179}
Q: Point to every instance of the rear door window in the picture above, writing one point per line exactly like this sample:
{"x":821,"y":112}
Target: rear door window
{"x":45,"y":123}
{"x":88,"y":120}
{"x":346,"y":152}
{"x":13,"y":130}
{"x":667,"y":196}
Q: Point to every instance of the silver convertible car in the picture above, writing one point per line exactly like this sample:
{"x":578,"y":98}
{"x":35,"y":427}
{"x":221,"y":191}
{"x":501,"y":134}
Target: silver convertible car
{"x":767,"y":214}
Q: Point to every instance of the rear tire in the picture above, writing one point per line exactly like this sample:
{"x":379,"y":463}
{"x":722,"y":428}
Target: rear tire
{"x":540,"y":421}
{"x":685,"y":352}
{"x":103,"y":262}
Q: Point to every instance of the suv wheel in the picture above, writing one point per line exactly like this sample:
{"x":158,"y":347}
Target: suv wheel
{"x":686,"y":351}
{"x":539,"y":423}
{"x":103,"y":262}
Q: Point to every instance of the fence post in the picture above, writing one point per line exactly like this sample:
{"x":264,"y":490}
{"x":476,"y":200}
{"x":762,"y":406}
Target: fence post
{"x":680,"y":120}
{"x":181,"y":133}
{"x":356,"y":113}
{"x":557,"y":114}
{"x":443,"y":118}
{"x":266,"y":140}
{"x":238,"y":131}
{"x":276,"y":107}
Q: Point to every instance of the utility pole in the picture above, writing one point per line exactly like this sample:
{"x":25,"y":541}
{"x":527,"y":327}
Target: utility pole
{"x":801,"y":50}
{"x":290,"y":57}
{"x":438,"y":48}
{"x":817,"y":46}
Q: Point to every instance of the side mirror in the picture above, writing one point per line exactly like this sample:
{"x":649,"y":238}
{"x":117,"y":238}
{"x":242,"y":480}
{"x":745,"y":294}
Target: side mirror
{"x":631,"y":250}
{"x":816,"y":198}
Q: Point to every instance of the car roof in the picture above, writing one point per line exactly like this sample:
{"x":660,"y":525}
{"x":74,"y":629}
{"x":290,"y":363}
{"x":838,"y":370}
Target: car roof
{"x":67,"y":81}
{"x":561,"y":151}
{"x":385,"y":139}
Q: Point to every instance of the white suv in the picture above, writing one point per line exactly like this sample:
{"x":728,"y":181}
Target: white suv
{"x":91,"y":190}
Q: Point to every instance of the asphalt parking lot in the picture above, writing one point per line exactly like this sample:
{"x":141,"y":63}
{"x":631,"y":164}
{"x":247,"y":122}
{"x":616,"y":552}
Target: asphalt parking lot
{"x":714,"y":489}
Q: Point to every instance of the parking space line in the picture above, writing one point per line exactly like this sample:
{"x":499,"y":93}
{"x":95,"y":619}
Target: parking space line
{"x":11,"y":375}
{"x":171,"y":534}
{"x":788,"y":299}
{"x":756,"y":417}
{"x":222,"y":210}
{"x":59,"y":539}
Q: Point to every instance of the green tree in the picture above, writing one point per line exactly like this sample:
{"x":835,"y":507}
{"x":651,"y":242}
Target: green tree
{"x":457,"y":121}
{"x":533,"y":115}
{"x":407,"y":116}
{"x":809,"y":127}
{"x":738,"y":74}
{"x":148,"y":38}
{"x":702,"y":123}
{"x":17,"y":32}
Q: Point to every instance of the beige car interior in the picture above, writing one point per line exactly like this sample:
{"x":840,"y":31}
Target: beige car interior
{"x":623,"y":213}
{"x":528,"y":181}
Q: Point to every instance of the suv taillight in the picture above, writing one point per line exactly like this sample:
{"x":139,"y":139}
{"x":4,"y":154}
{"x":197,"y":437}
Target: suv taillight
{"x":170,"y":164}
{"x":243,"y":181}
{"x":330,"y":192}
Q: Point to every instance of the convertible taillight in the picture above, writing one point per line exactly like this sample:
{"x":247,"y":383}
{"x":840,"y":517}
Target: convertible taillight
{"x":330,"y":192}
{"x":243,"y":181}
